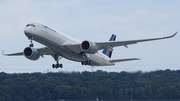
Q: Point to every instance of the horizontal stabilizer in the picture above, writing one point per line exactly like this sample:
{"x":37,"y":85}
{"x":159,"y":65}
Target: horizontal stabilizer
{"x":122,"y":60}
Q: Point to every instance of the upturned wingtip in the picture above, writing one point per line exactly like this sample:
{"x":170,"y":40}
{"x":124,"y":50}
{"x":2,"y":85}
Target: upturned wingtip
{"x":175,"y":33}
{"x":171,"y":35}
{"x":3,"y":52}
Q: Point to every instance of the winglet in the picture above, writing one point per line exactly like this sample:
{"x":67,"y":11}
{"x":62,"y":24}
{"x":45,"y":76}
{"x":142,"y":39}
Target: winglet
{"x":171,"y":35}
{"x":2,"y":52}
{"x":174,"y":34}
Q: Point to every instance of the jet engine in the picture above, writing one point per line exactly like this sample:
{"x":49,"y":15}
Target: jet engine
{"x":31,"y":53}
{"x":89,"y":47}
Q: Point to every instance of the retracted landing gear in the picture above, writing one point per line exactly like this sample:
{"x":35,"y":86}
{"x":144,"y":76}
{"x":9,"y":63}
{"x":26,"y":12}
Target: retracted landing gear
{"x":31,"y":45}
{"x":57,"y":65}
{"x":87,"y":62}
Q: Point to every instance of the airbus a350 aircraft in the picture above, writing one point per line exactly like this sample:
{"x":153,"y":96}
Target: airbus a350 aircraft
{"x":59,"y":45}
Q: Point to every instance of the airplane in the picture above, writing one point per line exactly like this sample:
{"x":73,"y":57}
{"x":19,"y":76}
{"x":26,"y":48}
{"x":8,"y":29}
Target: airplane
{"x":60,"y":45}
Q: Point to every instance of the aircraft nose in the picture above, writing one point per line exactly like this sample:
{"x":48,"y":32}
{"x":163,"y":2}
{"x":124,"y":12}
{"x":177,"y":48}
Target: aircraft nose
{"x":27,"y":31}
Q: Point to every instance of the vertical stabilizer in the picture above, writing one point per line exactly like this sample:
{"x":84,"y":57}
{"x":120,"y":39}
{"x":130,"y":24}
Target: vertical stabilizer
{"x":108,"y":51}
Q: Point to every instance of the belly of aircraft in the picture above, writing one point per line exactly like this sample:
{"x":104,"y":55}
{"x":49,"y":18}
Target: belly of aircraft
{"x":54,"y":44}
{"x":60,"y":49}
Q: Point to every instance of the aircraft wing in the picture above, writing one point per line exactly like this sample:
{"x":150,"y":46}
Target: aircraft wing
{"x":111,"y":44}
{"x":43,"y":51}
{"x":13,"y":54}
{"x":46,"y":51}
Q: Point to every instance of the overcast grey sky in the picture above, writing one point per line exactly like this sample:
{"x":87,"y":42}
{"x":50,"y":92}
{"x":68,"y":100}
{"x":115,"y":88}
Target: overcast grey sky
{"x":94,"y":20}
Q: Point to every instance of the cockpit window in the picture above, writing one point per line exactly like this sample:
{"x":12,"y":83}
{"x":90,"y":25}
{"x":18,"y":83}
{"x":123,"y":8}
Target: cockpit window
{"x":30,"y":25}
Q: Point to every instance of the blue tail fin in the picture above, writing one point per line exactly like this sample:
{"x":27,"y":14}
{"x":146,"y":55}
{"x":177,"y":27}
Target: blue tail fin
{"x":108,"y":51}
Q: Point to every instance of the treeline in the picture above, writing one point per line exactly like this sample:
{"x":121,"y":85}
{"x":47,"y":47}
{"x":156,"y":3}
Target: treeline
{"x":89,"y":86}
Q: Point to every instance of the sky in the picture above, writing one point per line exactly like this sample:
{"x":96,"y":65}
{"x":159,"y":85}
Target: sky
{"x":94,"y":20}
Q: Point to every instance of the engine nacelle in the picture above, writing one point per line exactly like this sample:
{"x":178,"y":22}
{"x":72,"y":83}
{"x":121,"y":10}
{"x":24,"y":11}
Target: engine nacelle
{"x":31,"y":53}
{"x":89,"y":47}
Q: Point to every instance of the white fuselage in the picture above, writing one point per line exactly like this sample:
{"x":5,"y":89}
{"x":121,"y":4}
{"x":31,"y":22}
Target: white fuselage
{"x":57,"y":41}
